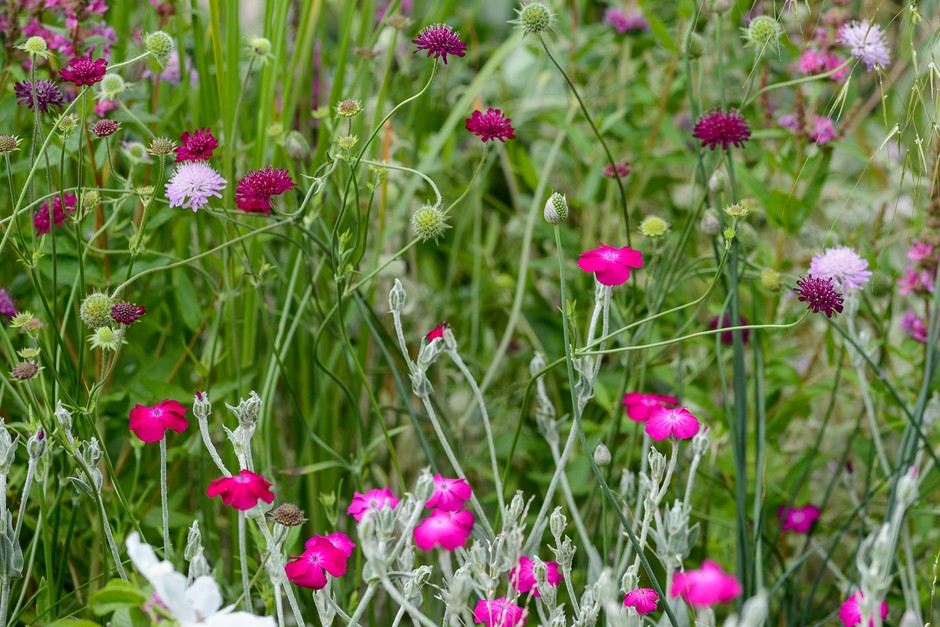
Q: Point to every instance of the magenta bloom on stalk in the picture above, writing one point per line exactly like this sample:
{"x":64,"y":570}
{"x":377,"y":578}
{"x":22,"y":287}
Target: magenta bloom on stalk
{"x":150,"y":423}
{"x":439,"y":40}
{"x":643,"y":600}
{"x":917,"y":281}
{"x":819,"y":294}
{"x":242,"y":491}
{"x":41,"y":217}
{"x":798,"y":519}
{"x":824,"y":130}
{"x":815,"y":61}
{"x":437,"y":332}
{"x":84,"y":70}
{"x":611,"y":266}
{"x":47,"y":94}
{"x":192,"y":184}
{"x":623,"y":169}
{"x":523,"y":579}
{"x":921,"y":251}
{"x":7,"y":305}
{"x":196,"y":146}
{"x":338,"y":539}
{"x":678,"y":422}
{"x":372,"y":500}
{"x":641,"y":406}
{"x":843,"y":266}
{"x":705,"y":586}
{"x":914,"y":326}
{"x":718,"y":128}
{"x":866,"y":42}
{"x":727,"y":337}
{"x":257,"y":189}
{"x":307,"y":570}
{"x":850,"y":614}
{"x":632,"y":22}
{"x":491,"y":125}
{"x":499,"y":613}
{"x":450,"y":530}
{"x":126,"y":313}
{"x":449,"y":494}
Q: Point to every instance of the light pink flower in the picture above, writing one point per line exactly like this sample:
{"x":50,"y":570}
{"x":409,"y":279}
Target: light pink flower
{"x":643,"y":600}
{"x":371,"y":500}
{"x":338,"y":539}
{"x":641,"y":406}
{"x":914,"y":326}
{"x":705,"y":586}
{"x":499,"y":613}
{"x":843,"y":265}
{"x":150,"y":423}
{"x":242,"y":491}
{"x":523,"y":579}
{"x":665,"y":422}
{"x":850,"y":614}
{"x":450,"y":530}
{"x":814,"y":61}
{"x":920,"y":251}
{"x":916,"y":281}
{"x":798,"y":519}
{"x":307,"y":570}
{"x":449,"y":494}
{"x":610,"y":265}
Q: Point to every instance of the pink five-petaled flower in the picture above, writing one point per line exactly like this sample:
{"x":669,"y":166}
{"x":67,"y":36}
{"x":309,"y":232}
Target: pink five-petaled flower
{"x":643,"y":600}
{"x":196,"y":146}
{"x":372,"y":500}
{"x":255,"y":191}
{"x":611,"y":266}
{"x":320,"y":555}
{"x":719,"y":128}
{"x":439,"y":40}
{"x":666,"y":421}
{"x":437,"y":332}
{"x":84,"y":70}
{"x":523,"y":579}
{"x":150,"y":423}
{"x":819,"y":294}
{"x":641,"y":406}
{"x":450,"y":530}
{"x":705,"y":586}
{"x":491,"y":125}
{"x":242,"y":491}
{"x":851,"y":614}
{"x":499,"y":613}
{"x":338,"y":539}
{"x":449,"y":494}
{"x":798,"y":519}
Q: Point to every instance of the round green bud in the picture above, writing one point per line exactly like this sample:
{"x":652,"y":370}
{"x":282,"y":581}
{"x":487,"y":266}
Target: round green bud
{"x":653,"y":227}
{"x":136,"y":152}
{"x":347,"y":142}
{"x":747,"y":237}
{"x":762,"y":31}
{"x":259,"y":47}
{"x":90,"y":199}
{"x":428,"y":223}
{"x":348,"y":108}
{"x":111,"y":85}
{"x":556,"y":209}
{"x":602,"y":455}
{"x":696,"y":46}
{"x":95,"y":310}
{"x":296,"y":146}
{"x":534,"y":18}
{"x":881,"y":283}
{"x":67,"y":124}
{"x":35,"y":46}
{"x":9,"y":143}
{"x":770,"y":280}
{"x":160,"y":45}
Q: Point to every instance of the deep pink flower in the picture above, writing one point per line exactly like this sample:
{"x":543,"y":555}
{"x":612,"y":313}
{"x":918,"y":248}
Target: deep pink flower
{"x":372,"y":500}
{"x":450,"y":530}
{"x":719,"y":128}
{"x":41,"y":217}
{"x":677,"y":422}
{"x":523,"y":579}
{"x":921,"y":251}
{"x":727,"y":337}
{"x":705,"y":586}
{"x":104,"y":128}
{"x":104,"y":107}
{"x":437,"y":332}
{"x":798,"y":519}
{"x":641,"y":406}
{"x":196,"y":146}
{"x":623,"y":169}
{"x":633,"y":22}
{"x":914,"y":326}
{"x":499,"y":613}
{"x":7,"y":305}
{"x":850,"y":614}
{"x":814,"y":61}
{"x":255,"y":192}
{"x":84,"y":70}
{"x":439,"y":40}
{"x":490,"y":125}
{"x":150,"y":423}
{"x":610,"y":265}
{"x":917,"y":281}
{"x":242,"y":491}
{"x":127,"y":313}
{"x":819,"y":294}
{"x":449,"y":494}
{"x":338,"y":539}
{"x":643,"y":600}
{"x":321,"y":555}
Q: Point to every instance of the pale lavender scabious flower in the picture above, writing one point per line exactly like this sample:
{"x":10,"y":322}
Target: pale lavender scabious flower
{"x":192,"y":184}
{"x":843,"y":266}
{"x":866,"y":42}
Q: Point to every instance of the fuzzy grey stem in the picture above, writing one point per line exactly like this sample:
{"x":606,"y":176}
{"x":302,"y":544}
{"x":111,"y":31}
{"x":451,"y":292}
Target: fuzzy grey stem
{"x":27,"y":486}
{"x":363,"y":605}
{"x":213,"y":453}
{"x":243,"y":559}
{"x":403,"y":602}
{"x":163,"y":500}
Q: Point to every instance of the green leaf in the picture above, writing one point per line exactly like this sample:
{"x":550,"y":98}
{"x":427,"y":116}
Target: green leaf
{"x":187,"y":300}
{"x":116,"y":595}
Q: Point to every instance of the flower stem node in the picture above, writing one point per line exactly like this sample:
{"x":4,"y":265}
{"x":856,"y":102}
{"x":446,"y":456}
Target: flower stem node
{"x":161,"y":45}
{"x":534,"y":18}
{"x":556,"y":209}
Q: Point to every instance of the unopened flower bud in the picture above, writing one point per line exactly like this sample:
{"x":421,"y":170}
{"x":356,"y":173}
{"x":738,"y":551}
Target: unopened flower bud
{"x":516,"y":507}
{"x":747,"y":237}
{"x":880,"y":283}
{"x":428,"y":223}
{"x":348,"y":108}
{"x":296,"y":146}
{"x":95,"y":310}
{"x":534,"y":18}
{"x":90,"y":199}
{"x":557,"y":523}
{"x":111,"y":86}
{"x":7,"y":450}
{"x":259,"y":48}
{"x":160,"y":45}
{"x":761,"y":32}
{"x":696,"y":46}
{"x":710,"y":224}
{"x":737,"y":210}
{"x":193,"y":541}
{"x":161,"y":146}
{"x":36,"y":444}
{"x":653,"y":227}
{"x":556,"y":209}
{"x":907,"y":487}
{"x":35,"y":46}
{"x":770,"y":280}
{"x":601,"y":455}
{"x":67,"y":124}
{"x":716,"y":182}
{"x":424,"y":487}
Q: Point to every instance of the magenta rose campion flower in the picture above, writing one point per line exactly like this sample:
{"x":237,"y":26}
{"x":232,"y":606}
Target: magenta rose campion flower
{"x":437,"y":332}
{"x":665,"y":422}
{"x":499,"y":613}
{"x":338,"y":539}
{"x":798,"y":519}
{"x":450,"y":530}
{"x":449,"y":494}
{"x":372,"y":500}
{"x":705,"y":586}
{"x":242,"y":491}
{"x":850,"y":614}
{"x":523,"y":579}
{"x":611,"y":266}
{"x":320,"y":557}
{"x":641,"y":406}
{"x":643,"y":600}
{"x":150,"y":423}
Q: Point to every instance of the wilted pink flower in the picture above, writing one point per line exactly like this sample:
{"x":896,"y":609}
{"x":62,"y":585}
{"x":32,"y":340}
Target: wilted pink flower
{"x":196,"y":146}
{"x":372,"y":500}
{"x":705,"y":586}
{"x":523,"y":579}
{"x":643,"y":600}
{"x":257,"y":189}
{"x":307,"y":570}
{"x":450,"y":530}
{"x":866,"y":42}
{"x":192,"y":184}
{"x":499,"y":613}
{"x":850,"y":614}
{"x":150,"y":423}
{"x":338,"y":539}
{"x":798,"y":519}
{"x":84,"y":70}
{"x":449,"y":494}
{"x":41,"y":217}
{"x":490,"y":125}
{"x":717,"y":128}
{"x":677,"y":422}
{"x":611,"y":266}
{"x":815,"y":61}
{"x":914,"y":326}
{"x":632,"y":22}
{"x":242,"y":491}
{"x":641,"y":406}
{"x":623,"y":169}
{"x":843,"y":265}
{"x":439,"y":40}
{"x":819,"y":294}
{"x":437,"y":332}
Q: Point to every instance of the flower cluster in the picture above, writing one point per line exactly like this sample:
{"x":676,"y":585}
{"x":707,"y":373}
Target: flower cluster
{"x":41,"y":219}
{"x":449,"y":525}
{"x":322,"y":555}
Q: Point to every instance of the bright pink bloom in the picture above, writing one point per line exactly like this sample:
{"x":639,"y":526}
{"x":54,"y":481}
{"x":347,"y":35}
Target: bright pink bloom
{"x":449,"y":494}
{"x":643,"y":600}
{"x":439,"y":40}
{"x":338,"y":539}
{"x":437,"y":332}
{"x":914,"y":326}
{"x":917,"y":281}
{"x":41,"y":217}
{"x":499,"y":613}
{"x":815,"y":61}
{"x":623,"y":169}
{"x":84,"y":70}
{"x":798,"y":519}
{"x":150,"y":423}
{"x":641,"y":406}
{"x":321,"y":555}
{"x":819,"y":294}
{"x":104,"y":107}
{"x":127,"y":313}
{"x":490,"y":125}
{"x":920,"y":251}
{"x":371,"y":500}
{"x":450,"y":530}
{"x":610,"y":265}
{"x":257,"y":189}
{"x":196,"y":146}
{"x":665,"y":422}
{"x":850,"y":614}
{"x":242,"y":491}
{"x":633,"y":22}
{"x":523,"y":579}
{"x":719,"y":128}
{"x":706,"y":586}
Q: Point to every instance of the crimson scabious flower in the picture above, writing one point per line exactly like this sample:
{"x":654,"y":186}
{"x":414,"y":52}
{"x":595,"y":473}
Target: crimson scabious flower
{"x":256,"y":190}
{"x":450,"y":530}
{"x":819,"y":294}
{"x":490,"y":125}
{"x":338,"y":539}
{"x":307,"y":570}
{"x":7,"y":305}
{"x":705,"y":586}
{"x":523,"y":579}
{"x":242,"y":491}
{"x":843,"y":265}
{"x":641,"y":406}
{"x":437,"y":332}
{"x":439,"y":40}
{"x":375,"y":499}
{"x":104,"y":128}
{"x":150,"y":423}
{"x":798,"y":519}
{"x":851,"y":614}
{"x":192,"y":184}
{"x":718,"y":128}
{"x":127,"y":313}
{"x":499,"y":613}
{"x":622,"y":169}
{"x":611,"y":266}
{"x":46,"y":92}
{"x":449,"y":494}
{"x":41,"y":217}
{"x":196,"y":146}
{"x":643,"y":600}
{"x":727,"y":337}
{"x":677,"y":421}
{"x":84,"y":70}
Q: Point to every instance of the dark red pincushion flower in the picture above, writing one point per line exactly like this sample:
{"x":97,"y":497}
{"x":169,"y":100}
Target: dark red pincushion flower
{"x":196,"y":146}
{"x":47,"y":94}
{"x":819,"y":294}
{"x":127,"y":313}
{"x":104,"y":128}
{"x":84,"y":70}
{"x":719,"y":128}
{"x":727,"y":337}
{"x":439,"y":40}
{"x":41,"y":217}
{"x":490,"y":125}
{"x":255,"y":191}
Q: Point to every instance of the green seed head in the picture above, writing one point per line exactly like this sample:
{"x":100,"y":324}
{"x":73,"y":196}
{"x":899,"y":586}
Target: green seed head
{"x":259,"y":48}
{"x":161,"y":146}
{"x":111,"y":85}
{"x":428,"y":223}
{"x":105,"y":338}
{"x":770,"y":280}
{"x":347,"y":142}
{"x":534,"y":18}
{"x":35,"y":46}
{"x":881,"y":283}
{"x":95,"y":310}
{"x":653,"y":227}
{"x":762,"y":31}
{"x":160,"y":45}
{"x":348,"y":108}
{"x":67,"y":124}
{"x":9,"y":143}
{"x":737,"y":210}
